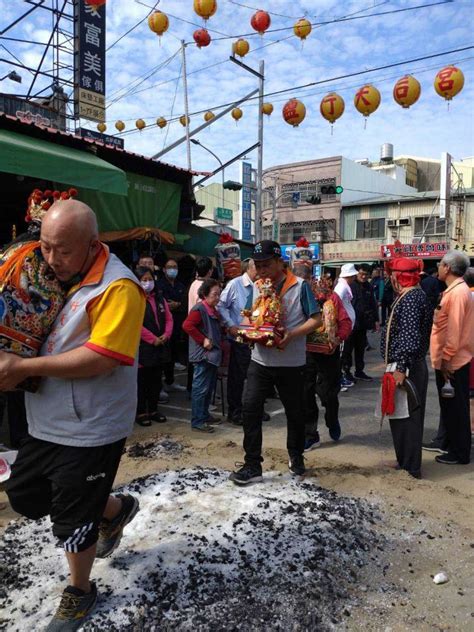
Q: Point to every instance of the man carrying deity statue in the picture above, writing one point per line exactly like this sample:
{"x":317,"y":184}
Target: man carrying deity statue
{"x":284,"y":306}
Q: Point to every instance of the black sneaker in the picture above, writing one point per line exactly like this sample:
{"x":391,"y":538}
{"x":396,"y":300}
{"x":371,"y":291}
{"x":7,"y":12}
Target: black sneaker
{"x":335,"y":431}
{"x":247,"y":474}
{"x":110,"y":531}
{"x":449,"y":459}
{"x":205,"y":427}
{"x":363,"y":377}
{"x":348,"y":377}
{"x":236,"y":420}
{"x":296,"y":465}
{"x":433,"y":446}
{"x":74,"y":607}
{"x":312,"y":444}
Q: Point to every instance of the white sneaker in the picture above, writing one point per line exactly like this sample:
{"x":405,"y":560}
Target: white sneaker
{"x":175,"y":387}
{"x":212,"y":408}
{"x":163,"y":397}
{"x":180,"y":367}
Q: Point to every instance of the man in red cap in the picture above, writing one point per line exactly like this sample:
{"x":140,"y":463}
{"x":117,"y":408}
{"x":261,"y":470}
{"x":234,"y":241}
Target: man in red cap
{"x":404,"y":344}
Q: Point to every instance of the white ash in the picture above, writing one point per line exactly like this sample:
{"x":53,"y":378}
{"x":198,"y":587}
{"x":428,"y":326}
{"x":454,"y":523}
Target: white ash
{"x":205,"y":555}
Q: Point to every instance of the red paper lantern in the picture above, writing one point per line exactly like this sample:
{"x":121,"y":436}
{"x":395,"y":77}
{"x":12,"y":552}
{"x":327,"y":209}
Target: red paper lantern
{"x":202,"y":37}
{"x":260,"y":21}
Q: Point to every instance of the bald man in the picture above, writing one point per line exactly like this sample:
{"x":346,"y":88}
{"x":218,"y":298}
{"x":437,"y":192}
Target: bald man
{"x":85,"y":406}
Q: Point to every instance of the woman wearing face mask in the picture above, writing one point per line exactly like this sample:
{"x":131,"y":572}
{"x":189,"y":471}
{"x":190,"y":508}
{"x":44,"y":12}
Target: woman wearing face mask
{"x":204,"y":330}
{"x":157,"y":329}
{"x":175,"y":294}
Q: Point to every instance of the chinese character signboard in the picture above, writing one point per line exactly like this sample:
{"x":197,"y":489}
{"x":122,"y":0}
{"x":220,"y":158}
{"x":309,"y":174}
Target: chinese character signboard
{"x":224,"y":215}
{"x":114,"y":141}
{"x":89,"y":75}
{"x":436,"y":250}
{"x":246,"y":202}
{"x":30,"y":112}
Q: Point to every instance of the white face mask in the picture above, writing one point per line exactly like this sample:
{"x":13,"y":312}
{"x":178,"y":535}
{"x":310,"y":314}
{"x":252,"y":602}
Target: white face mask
{"x":147,"y":286}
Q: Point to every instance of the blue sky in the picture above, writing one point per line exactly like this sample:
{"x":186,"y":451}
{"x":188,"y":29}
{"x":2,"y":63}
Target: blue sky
{"x":334,"y":49}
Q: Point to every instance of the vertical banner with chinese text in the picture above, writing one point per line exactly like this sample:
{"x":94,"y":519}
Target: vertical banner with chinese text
{"x":89,"y":66}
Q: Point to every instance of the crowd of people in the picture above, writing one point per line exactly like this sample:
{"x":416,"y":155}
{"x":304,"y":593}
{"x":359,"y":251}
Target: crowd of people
{"x":80,"y":417}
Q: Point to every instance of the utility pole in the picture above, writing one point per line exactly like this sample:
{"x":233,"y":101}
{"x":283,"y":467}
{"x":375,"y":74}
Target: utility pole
{"x":186,"y":105}
{"x":258,"y":201}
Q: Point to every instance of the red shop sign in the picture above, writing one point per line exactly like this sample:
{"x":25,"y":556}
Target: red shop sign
{"x":436,"y":250}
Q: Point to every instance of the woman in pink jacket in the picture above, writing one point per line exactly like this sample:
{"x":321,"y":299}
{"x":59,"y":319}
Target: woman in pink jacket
{"x":156,"y":331}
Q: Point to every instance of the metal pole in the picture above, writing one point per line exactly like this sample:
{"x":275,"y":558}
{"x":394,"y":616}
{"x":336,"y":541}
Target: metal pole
{"x":204,"y":125}
{"x":258,"y":201}
{"x":222,"y":169}
{"x":186,"y":106}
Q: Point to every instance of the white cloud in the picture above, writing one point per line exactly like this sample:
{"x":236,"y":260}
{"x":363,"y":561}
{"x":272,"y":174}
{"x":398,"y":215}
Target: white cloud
{"x":427,"y":128}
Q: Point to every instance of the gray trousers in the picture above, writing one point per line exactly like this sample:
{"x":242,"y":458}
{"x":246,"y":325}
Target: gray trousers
{"x":407,"y":433}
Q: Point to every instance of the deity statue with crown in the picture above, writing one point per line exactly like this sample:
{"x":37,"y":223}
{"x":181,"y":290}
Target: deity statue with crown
{"x":228,"y":260}
{"x":31,"y":297}
{"x":265,"y":318}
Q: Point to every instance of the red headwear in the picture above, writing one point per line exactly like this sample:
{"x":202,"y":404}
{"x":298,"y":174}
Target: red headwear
{"x":407,"y":271}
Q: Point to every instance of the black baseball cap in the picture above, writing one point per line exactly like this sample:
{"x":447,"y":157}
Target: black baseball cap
{"x":266,"y":249}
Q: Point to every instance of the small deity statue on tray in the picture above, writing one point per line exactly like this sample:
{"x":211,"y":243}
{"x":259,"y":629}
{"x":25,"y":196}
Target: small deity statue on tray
{"x":265,"y":326}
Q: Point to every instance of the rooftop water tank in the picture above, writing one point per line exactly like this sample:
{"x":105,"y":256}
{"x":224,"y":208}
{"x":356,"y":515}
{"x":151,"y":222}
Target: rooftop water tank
{"x":386,"y":153}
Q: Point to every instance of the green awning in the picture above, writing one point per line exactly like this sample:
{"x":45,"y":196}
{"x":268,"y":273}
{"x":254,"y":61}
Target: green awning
{"x":202,"y":241}
{"x":26,"y":156}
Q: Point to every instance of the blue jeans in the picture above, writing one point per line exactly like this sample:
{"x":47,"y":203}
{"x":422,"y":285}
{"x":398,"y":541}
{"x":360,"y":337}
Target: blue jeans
{"x":204,"y":382}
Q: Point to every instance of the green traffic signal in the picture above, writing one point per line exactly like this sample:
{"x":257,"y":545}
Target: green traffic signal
{"x":339,"y":189}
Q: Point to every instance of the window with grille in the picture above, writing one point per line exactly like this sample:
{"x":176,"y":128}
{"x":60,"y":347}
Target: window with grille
{"x":291,"y":232}
{"x":429,"y":226}
{"x":305,"y":189}
{"x":370,"y":228}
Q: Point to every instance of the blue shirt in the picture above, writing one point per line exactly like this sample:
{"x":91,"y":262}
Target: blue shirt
{"x":234,"y":298}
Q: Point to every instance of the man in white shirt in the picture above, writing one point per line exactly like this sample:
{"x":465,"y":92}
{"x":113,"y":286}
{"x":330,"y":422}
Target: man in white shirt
{"x":233,"y":299}
{"x":343,"y":290}
{"x":346,"y":277}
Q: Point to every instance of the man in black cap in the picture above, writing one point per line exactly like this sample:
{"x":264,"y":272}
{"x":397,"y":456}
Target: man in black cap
{"x":282,"y":367}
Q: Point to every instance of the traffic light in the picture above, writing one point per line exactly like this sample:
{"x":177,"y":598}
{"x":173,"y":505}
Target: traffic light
{"x":328,"y":189}
{"x":232,"y":185}
{"x":313,"y":199}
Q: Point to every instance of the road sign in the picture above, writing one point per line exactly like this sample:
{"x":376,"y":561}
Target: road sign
{"x":223,"y":214}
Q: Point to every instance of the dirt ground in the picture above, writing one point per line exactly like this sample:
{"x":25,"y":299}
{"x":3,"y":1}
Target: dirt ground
{"x":428,"y":523}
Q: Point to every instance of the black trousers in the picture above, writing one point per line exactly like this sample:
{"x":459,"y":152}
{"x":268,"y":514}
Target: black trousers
{"x":289,"y":382}
{"x":175,"y":350}
{"x":455,"y":413}
{"x":17,"y":418}
{"x":407,"y":434}
{"x":149,"y":386}
{"x":237,"y":374}
{"x":356,"y":343}
{"x":322,"y":377}
{"x":69,"y":483}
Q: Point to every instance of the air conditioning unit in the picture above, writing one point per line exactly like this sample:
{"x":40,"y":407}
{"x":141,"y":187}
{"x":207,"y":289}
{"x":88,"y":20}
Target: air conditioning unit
{"x":316,"y":236}
{"x":405,"y":221}
{"x":392,"y":223}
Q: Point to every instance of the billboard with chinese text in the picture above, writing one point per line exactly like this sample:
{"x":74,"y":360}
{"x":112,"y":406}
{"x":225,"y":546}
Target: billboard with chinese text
{"x":89,"y":67}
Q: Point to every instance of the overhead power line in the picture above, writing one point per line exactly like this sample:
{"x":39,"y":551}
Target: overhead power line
{"x":341,"y":19}
{"x":332,"y":79}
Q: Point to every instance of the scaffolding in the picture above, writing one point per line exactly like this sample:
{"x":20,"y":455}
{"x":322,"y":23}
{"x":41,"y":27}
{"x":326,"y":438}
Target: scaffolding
{"x":51,"y":81}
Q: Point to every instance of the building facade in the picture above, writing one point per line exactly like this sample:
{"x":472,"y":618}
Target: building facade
{"x":287,"y":187}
